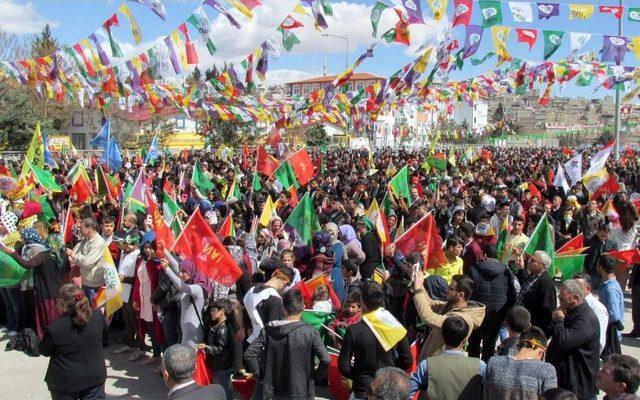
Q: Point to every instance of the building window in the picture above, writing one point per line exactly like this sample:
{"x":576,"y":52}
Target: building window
{"x":360,"y":86}
{"x":350,"y":85}
{"x":79,"y":140}
{"x":180,"y":123}
{"x":76,"y":120}
{"x":296,"y":90}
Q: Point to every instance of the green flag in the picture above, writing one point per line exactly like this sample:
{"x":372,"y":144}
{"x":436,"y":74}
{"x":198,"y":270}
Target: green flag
{"x":541,"y":239}
{"x":376,"y":11}
{"x":491,"y":13}
{"x":289,"y":39}
{"x":256,"y":185}
{"x":47,"y":211}
{"x":634,"y":14}
{"x":133,"y":206}
{"x":552,"y":42}
{"x":201,"y":181}
{"x":176,"y":227}
{"x":569,"y":266}
{"x":318,"y":320}
{"x":304,"y":220}
{"x":400,"y":184}
{"x":386,"y":206}
{"x":45,"y":179}
{"x":169,"y":207}
{"x":478,"y":61}
{"x":438,"y":161}
{"x":11,"y":273}
{"x":286,"y":176}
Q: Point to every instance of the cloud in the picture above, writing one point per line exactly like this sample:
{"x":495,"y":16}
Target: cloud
{"x":280,"y":76}
{"x":21,"y":18}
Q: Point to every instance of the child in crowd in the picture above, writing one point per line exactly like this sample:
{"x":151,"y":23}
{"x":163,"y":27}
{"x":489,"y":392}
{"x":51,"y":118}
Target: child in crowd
{"x":321,"y":300}
{"x":350,"y":314}
{"x":518,"y":320}
{"x":220,"y":344}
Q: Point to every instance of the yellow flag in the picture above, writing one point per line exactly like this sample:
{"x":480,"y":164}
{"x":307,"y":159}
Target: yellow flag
{"x":500,"y":35}
{"x":300,"y":10}
{"x":452,"y":156}
{"x":175,"y":38}
{"x":35,"y":154}
{"x":110,"y":295}
{"x":635,"y":46}
{"x":268,"y":212}
{"x":135,"y":28}
{"x":581,"y":11}
{"x":421,"y":65}
{"x":438,"y":7}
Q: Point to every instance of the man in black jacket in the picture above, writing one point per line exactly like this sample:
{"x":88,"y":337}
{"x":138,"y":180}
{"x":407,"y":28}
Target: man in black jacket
{"x":283,"y":356}
{"x":178,"y":365}
{"x":538,"y":294}
{"x":369,"y":356}
{"x":598,"y":245}
{"x":494,"y":288}
{"x":575,"y":344}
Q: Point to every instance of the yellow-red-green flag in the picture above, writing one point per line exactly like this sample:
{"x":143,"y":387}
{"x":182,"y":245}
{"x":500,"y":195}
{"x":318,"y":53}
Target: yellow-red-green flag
{"x":110,"y":295}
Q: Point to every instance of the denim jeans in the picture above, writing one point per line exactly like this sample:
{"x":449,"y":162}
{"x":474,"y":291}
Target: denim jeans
{"x":223,"y":377}
{"x":12,"y":302}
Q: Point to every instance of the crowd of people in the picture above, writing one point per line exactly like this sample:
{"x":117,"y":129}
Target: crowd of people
{"x":487,"y":319}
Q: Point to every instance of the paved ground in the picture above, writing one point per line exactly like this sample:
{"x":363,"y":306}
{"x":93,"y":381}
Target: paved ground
{"x":21,"y":377}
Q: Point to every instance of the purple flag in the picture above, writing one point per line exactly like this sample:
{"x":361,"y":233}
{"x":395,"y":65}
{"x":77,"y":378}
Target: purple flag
{"x":220,"y":8}
{"x":104,"y":59}
{"x":414,"y":11}
{"x":472,"y":40}
{"x":614,"y":48}
{"x":172,"y":55}
{"x":548,"y":10}
{"x":317,"y":14}
{"x":263,"y":62}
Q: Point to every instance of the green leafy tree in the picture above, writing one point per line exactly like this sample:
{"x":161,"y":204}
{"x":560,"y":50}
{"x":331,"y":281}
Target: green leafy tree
{"x":44,"y":44}
{"x":316,"y":135}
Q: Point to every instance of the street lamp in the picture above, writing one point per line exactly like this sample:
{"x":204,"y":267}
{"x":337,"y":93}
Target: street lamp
{"x":346,"y":61}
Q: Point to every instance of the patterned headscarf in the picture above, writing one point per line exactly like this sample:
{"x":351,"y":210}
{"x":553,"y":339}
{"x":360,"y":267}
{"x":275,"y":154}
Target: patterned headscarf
{"x":31,"y":236}
{"x":9,"y":220}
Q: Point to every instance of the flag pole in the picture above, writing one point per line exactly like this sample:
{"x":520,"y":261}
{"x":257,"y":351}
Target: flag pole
{"x":188,"y":221}
{"x":617,"y":101}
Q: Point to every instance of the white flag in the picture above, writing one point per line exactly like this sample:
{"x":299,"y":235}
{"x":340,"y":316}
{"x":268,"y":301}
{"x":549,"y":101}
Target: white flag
{"x":574,"y":168}
{"x":521,"y":11}
{"x":598,"y":161}
{"x":578,"y":40}
{"x":559,"y":180}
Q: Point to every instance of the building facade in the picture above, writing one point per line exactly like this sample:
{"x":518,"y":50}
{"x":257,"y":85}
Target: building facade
{"x":358,"y":81}
{"x":476,"y":115}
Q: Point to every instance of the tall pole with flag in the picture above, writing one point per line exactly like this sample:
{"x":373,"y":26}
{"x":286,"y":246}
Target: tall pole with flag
{"x":617,"y":120}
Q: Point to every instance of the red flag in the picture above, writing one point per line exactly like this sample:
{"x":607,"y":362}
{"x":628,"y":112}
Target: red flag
{"x":202,"y":375}
{"x":293,"y":202}
{"x":308,"y":287}
{"x":302,"y":166}
{"x":528,"y":36}
{"x":339,"y":386}
{"x":169,"y":189}
{"x":533,"y":189}
{"x":546,"y":96}
{"x":462,"y":12}
{"x":227,"y":228}
{"x":245,"y":156}
{"x":198,"y":243}
{"x":573,"y":244}
{"x":274,"y":139}
{"x":424,"y":237}
{"x":615,"y":10}
{"x":67,"y":235}
{"x":290,"y":23}
{"x":245,"y":387}
{"x":414,"y":353}
{"x":190,"y":48}
{"x":402,"y":29}
{"x":266,"y":164}
{"x":185,"y":154}
{"x":81,"y":190}
{"x":164,"y":234}
{"x":611,"y":186}
{"x":628,"y":257}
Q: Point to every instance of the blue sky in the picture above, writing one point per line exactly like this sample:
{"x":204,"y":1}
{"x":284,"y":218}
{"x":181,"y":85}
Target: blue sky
{"x":73,"y":20}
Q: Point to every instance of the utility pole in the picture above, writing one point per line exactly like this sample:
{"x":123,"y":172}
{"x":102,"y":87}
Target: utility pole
{"x":617,"y":121}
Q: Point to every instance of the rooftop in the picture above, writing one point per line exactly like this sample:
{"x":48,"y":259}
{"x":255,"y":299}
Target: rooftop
{"x":358,"y":76}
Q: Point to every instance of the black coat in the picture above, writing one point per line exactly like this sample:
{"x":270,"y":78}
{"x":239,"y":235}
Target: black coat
{"x":373,"y":259}
{"x":494,"y":288}
{"x":596,"y":248}
{"x":540,"y":300}
{"x":575,"y":349}
{"x":195,"y":392}
{"x":360,"y":343}
{"x":77,"y":359}
{"x":283,"y":356}
{"x":220,"y":346}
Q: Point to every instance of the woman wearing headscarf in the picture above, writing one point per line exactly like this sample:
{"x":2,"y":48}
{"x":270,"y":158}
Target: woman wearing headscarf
{"x":47,"y":278}
{"x":337,"y":248}
{"x":321,"y":262}
{"x":193,"y":288}
{"x":352,"y":246}
{"x":266,"y":245}
{"x":277,"y":229}
{"x":145,"y":284}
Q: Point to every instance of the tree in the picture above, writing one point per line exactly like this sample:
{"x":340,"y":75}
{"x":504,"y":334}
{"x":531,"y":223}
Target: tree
{"x":316,"y":135}
{"x":13,"y":47}
{"x":157,"y":126}
{"x":195,"y":78}
{"x":44,"y":44}
{"x":22,"y":107}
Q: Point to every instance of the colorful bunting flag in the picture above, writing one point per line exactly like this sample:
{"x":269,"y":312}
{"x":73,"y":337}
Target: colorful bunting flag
{"x":463,"y":9}
{"x":376,"y":12}
{"x":528,"y":36}
{"x":552,"y":42}
{"x":155,"y":5}
{"x":220,"y":8}
{"x":500,"y":36}
{"x":581,"y":11}
{"x":616,"y":11}
{"x":634,"y":14}
{"x":135,"y":28}
{"x":614,"y":49}
{"x":548,"y":10}
{"x":200,"y":21}
{"x":521,"y":11}
{"x":414,"y":10}
{"x":107,"y":25}
{"x":439,"y":7}
{"x":491,"y":12}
